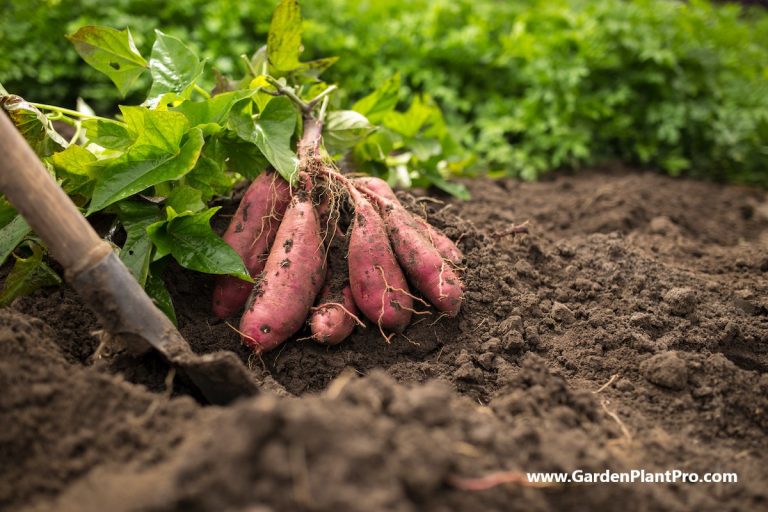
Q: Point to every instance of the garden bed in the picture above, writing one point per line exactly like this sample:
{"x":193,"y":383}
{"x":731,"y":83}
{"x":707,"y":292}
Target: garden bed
{"x":628,"y":330}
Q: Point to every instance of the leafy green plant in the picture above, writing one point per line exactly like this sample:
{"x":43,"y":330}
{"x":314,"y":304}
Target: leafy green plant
{"x":156,"y":167}
{"x":529,"y":86}
{"x":537,"y":85}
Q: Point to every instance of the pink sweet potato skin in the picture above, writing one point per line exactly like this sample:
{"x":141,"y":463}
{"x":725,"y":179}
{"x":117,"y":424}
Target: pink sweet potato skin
{"x":377,"y":185}
{"x":375,"y":278}
{"x":329,"y":323}
{"x":229,"y":296}
{"x":425,"y":267}
{"x":442,"y":243}
{"x":250,"y":234}
{"x":292,"y":278}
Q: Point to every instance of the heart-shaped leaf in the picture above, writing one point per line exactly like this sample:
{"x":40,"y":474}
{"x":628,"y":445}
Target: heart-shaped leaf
{"x":27,"y":275}
{"x":142,"y":167}
{"x":284,"y":38}
{"x":191,"y":241}
{"x":112,"y":52}
{"x":271,"y":131}
{"x":174,"y":69}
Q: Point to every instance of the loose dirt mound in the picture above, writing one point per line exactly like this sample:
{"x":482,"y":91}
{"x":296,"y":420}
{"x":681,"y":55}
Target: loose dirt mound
{"x":629,"y":330}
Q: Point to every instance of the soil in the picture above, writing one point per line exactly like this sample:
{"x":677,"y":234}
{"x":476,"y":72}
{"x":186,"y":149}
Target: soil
{"x":628,"y":330}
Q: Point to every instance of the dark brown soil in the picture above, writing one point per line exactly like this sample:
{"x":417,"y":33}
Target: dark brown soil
{"x":628,"y":330}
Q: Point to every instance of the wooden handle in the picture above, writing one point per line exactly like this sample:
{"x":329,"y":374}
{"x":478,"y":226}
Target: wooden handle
{"x":43,"y":204}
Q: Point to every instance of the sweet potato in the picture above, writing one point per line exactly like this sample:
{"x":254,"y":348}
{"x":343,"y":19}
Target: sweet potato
{"x":292,"y":277}
{"x":442,"y":243}
{"x":378,"y":285}
{"x":332,"y":321}
{"x":250,"y":234}
{"x":334,"y":316}
{"x":425,"y":267}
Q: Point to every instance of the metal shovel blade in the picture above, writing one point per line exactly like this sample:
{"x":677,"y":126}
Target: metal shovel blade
{"x":121,"y":304}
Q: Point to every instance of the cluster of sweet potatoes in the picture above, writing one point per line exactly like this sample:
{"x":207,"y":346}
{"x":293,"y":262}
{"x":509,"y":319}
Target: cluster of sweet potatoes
{"x":294,"y":241}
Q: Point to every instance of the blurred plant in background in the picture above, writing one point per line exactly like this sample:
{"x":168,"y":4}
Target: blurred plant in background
{"x":38,"y":62}
{"x":529,"y":86}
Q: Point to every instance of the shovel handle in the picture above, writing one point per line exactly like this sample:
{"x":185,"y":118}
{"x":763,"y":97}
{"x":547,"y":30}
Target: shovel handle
{"x":106,"y":286}
{"x":44,"y":205}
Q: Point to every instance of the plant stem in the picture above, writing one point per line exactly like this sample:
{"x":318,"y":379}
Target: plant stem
{"x":66,"y":111}
{"x":202,"y":92}
{"x":303,"y":105}
{"x":249,"y":66}
{"x":314,"y":101}
{"x":323,"y":107}
{"x":310,"y":140}
{"x":58,"y":116}
{"x":78,"y":130}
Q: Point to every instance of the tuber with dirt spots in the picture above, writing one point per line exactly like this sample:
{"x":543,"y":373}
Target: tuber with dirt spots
{"x":250,"y":234}
{"x":442,"y":243}
{"x":292,"y":277}
{"x":436,"y":279}
{"x":335,"y":315}
{"x":378,"y":284}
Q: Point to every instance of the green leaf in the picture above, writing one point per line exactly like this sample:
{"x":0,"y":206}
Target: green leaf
{"x":108,"y":134}
{"x":74,"y":160}
{"x":185,"y":199}
{"x":3,"y":91}
{"x":74,"y":165}
{"x":191,"y":241}
{"x":675,"y":164}
{"x":136,"y":252}
{"x":271,"y":132}
{"x":142,"y":167}
{"x":11,"y":236}
{"x":7,"y":212}
{"x":425,"y":148}
{"x":155,"y":128}
{"x":376,"y":146}
{"x":314,"y":68}
{"x":27,"y":275}
{"x":381,"y":101}
{"x":284,"y":38}
{"x":241,"y":157}
{"x":36,"y":129}
{"x":458,"y":190}
{"x":174,"y":69}
{"x":259,"y":59}
{"x":260,"y":84}
{"x":213,"y":111}
{"x":209,"y":176}
{"x":112,"y":52}
{"x":345,"y":128}
{"x":411,"y":122}
{"x":159,"y":294}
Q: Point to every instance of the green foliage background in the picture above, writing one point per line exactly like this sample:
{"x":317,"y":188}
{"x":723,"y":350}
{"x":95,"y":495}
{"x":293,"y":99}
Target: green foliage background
{"x":529,"y":86}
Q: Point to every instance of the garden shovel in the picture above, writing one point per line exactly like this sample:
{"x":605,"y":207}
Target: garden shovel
{"x":104,"y":283}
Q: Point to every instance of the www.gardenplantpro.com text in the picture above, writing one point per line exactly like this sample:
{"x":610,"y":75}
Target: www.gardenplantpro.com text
{"x":633,"y":476}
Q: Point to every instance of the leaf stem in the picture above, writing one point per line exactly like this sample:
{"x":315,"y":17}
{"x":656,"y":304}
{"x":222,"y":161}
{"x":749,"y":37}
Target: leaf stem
{"x":323,"y":108}
{"x":303,"y":105}
{"x":58,"y":116}
{"x":248,"y":65}
{"x":78,"y":131}
{"x":314,"y":101}
{"x":66,"y":111}
{"x":202,"y":92}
